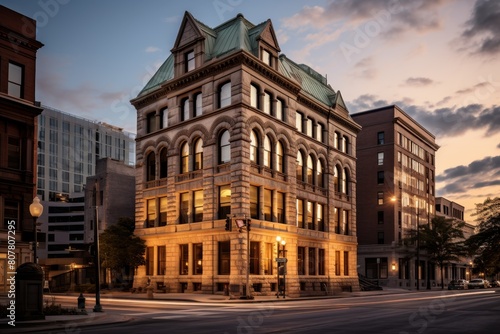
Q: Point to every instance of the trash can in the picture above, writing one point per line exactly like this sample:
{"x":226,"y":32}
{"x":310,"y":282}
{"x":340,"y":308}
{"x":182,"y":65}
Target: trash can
{"x":29,"y":292}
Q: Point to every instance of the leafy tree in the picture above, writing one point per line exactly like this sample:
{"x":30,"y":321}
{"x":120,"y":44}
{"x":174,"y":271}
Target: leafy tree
{"x":442,"y":240}
{"x":484,"y":245}
{"x":119,"y":248}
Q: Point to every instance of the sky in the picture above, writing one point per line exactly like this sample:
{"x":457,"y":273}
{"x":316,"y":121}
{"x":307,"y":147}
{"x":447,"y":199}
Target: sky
{"x":438,"y":60}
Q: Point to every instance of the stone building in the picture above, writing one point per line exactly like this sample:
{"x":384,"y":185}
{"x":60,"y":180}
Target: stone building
{"x":229,"y":127}
{"x":396,"y":189}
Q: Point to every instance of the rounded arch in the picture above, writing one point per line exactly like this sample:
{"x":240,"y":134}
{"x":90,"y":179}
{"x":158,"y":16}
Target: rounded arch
{"x":198,"y":153}
{"x":163,"y":159}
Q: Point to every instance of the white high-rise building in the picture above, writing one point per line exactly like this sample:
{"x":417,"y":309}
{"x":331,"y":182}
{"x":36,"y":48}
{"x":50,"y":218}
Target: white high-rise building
{"x":69,"y":147}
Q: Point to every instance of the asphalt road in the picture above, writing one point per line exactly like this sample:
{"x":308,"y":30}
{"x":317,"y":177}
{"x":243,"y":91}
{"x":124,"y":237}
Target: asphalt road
{"x":433,"y":312}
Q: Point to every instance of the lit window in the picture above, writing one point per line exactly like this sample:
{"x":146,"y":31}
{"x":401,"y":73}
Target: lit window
{"x":15,"y":83}
{"x":151,"y":212}
{"x":380,"y":158}
{"x":309,"y":127}
{"x":281,"y":207}
{"x":280,"y":163}
{"x":268,"y":204}
{"x":300,"y":213}
{"x":198,"y":155}
{"x":198,"y":259}
{"x":310,"y":170}
{"x":254,"y":202}
{"x":267,"y":152}
{"x":183,"y":259}
{"x":319,"y":132}
{"x":163,"y":211}
{"x":224,"y":201}
{"x":184,"y":158}
{"x":298,"y":121}
{"x":198,"y":206}
{"x":300,"y":167}
{"x":254,"y":148}
{"x":184,"y":208}
{"x":380,"y":198}
{"x":319,"y":173}
{"x":164,"y":118}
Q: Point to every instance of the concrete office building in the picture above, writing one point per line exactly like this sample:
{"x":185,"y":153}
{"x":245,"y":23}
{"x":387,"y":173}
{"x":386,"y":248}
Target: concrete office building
{"x":229,"y":127}
{"x":18,"y":143}
{"x":396,"y":191}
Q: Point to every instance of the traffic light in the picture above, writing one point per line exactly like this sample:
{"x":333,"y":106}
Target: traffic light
{"x":248,"y":224}
{"x":228,"y":224}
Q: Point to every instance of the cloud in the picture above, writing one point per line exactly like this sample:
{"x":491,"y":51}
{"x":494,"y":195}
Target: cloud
{"x":365,"y":68}
{"x":397,"y":16}
{"x":444,"y":122}
{"x":461,"y":179}
{"x":483,"y":28}
{"x":152,"y":49}
{"x":418,"y":82}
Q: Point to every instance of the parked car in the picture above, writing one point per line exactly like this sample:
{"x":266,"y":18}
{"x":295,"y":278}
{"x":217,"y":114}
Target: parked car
{"x":494,"y":284}
{"x":458,"y":284}
{"x":478,"y":283}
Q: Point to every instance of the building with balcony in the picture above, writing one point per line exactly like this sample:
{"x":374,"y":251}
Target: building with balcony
{"x":230,"y":128}
{"x":18,"y":142}
{"x":396,"y":191}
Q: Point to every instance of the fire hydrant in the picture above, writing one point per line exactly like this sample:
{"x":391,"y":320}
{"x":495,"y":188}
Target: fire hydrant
{"x":81,"y":302}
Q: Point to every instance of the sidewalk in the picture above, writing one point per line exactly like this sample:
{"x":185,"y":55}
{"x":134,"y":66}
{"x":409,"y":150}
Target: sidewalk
{"x":70,"y":322}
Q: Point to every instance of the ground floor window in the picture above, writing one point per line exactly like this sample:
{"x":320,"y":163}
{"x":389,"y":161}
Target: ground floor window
{"x":376,"y":267}
{"x":224,"y":258}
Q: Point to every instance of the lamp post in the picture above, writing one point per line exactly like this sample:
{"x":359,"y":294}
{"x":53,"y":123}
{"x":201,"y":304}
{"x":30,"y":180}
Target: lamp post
{"x":281,"y":263}
{"x":36,"y":210}
{"x":97,"y":307}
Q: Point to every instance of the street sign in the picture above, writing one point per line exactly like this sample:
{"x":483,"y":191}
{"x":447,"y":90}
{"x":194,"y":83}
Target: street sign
{"x":281,"y":260}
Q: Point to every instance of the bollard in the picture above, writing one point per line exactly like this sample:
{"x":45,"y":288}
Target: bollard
{"x":81,"y":302}
{"x":149,"y":290}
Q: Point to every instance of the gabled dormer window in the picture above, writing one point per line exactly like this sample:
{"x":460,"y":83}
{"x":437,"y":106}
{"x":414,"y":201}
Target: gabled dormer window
{"x":189,"y":60}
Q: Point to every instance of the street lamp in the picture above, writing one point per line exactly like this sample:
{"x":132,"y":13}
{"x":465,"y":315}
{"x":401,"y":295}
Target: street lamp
{"x":36,"y":210}
{"x":281,"y":265}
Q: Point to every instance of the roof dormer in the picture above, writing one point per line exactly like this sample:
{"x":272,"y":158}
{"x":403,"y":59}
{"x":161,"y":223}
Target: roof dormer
{"x":267,"y":47}
{"x":189,"y":47}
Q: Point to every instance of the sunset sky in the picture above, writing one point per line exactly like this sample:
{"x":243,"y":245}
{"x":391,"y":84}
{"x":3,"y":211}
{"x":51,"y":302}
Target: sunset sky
{"x":439,"y":60}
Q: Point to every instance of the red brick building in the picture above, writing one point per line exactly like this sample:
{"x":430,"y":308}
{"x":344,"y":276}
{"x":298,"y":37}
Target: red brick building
{"x":18,"y":144}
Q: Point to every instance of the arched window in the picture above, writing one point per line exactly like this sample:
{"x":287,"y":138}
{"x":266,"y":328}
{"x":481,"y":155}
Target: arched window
{"x":197,"y":105}
{"x":184,"y":158}
{"x":345,"y":181}
{"x":163,"y":163}
{"x":280,"y":162}
{"x":185,"y":109}
{"x":225,"y":95}
{"x":300,"y":166}
{"x":224,"y":148}
{"x":267,"y":152}
{"x":254,"y":148}
{"x":310,"y":170}
{"x":336,"y":180}
{"x":319,"y":173}
{"x":198,"y":155}
{"x":151,"y":167}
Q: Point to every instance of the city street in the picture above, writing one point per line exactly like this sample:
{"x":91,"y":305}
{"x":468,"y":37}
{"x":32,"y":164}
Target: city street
{"x":470,"y":311}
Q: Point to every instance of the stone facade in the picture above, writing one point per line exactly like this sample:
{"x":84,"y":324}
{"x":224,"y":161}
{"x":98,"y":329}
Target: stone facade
{"x":181,"y":190}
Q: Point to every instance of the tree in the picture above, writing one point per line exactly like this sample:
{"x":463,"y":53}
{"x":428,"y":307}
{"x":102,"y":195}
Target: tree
{"x":442,"y":240}
{"x":485,"y":243}
{"x":119,"y":248}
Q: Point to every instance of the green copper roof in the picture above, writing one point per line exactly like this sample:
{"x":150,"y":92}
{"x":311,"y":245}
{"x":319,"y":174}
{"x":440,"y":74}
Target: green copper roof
{"x":311,"y":82}
{"x":240,"y":34}
{"x":164,"y":73}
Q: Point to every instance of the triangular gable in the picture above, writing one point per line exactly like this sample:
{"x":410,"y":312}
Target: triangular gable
{"x":269,"y":36}
{"x":188,"y":32}
{"x":339,"y":100}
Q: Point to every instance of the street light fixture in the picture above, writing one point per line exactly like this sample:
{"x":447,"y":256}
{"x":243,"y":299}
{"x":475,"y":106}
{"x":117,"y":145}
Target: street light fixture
{"x":36,"y":210}
{"x":281,"y":265}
